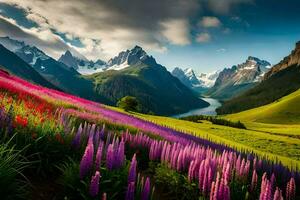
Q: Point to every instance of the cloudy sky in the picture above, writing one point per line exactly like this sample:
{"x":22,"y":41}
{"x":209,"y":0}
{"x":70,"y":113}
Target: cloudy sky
{"x":203,"y":34}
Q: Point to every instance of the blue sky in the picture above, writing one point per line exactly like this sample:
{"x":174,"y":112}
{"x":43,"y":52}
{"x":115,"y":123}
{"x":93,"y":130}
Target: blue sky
{"x":206,"y":35}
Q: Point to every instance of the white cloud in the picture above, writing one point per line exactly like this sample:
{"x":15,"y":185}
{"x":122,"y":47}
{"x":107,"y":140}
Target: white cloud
{"x":176,"y":31}
{"x":43,"y":38}
{"x":112,"y":26}
{"x":203,"y":37}
{"x":210,"y":22}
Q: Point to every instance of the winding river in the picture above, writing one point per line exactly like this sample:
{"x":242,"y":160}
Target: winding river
{"x":210,"y":110}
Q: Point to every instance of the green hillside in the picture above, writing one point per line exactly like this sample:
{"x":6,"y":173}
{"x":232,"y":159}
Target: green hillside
{"x":268,"y":91}
{"x":155,"y":88}
{"x":283,"y":111}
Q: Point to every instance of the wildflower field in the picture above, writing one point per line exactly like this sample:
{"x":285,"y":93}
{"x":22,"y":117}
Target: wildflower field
{"x":57,"y":146}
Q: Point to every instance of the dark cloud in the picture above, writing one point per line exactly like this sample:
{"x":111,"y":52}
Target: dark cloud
{"x":53,"y":45}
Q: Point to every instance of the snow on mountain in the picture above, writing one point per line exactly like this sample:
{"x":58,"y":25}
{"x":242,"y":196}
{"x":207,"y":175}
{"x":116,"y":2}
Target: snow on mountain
{"x":29,"y":54}
{"x":190,"y":79}
{"x":127,"y":58}
{"x":208,"y":80}
{"x":81,"y":64}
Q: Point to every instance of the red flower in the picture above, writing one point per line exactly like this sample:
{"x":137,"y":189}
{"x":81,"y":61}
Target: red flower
{"x":21,"y":121}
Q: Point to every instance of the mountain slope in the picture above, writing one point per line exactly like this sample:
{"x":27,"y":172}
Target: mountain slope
{"x":283,"y":111}
{"x":274,"y":86}
{"x":156,"y":89}
{"x":60,"y":75}
{"x":15,"y":65}
{"x":232,"y":81}
{"x":188,"y":79}
{"x":82,"y":65}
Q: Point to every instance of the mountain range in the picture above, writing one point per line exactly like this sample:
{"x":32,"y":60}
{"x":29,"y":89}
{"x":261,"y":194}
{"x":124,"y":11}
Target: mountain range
{"x":131,"y":72}
{"x":82,"y":64}
{"x":141,"y":76}
{"x":15,"y":65}
{"x":281,"y":80}
{"x":239,"y":78}
{"x":199,"y":83}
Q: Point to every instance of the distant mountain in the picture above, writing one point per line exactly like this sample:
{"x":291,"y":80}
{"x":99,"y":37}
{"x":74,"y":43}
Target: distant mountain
{"x":237,"y":79}
{"x":60,"y":75}
{"x":16,"y":66}
{"x":197,"y":83}
{"x":187,"y":77}
{"x":135,"y":73}
{"x":281,"y":80}
{"x":82,"y":64}
{"x":208,"y":80}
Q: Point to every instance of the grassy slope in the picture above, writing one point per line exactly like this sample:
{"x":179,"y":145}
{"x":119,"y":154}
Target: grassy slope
{"x":283,"y":111}
{"x":274,"y":145}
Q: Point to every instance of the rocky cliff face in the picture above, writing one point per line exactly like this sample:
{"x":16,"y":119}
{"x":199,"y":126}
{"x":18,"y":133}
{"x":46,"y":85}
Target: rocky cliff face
{"x":291,"y":60}
{"x":238,"y":78}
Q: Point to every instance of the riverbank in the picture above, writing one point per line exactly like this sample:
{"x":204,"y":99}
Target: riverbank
{"x":210,"y":110}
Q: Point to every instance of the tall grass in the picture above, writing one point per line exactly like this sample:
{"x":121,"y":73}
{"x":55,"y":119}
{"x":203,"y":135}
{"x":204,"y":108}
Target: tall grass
{"x":13,"y":184}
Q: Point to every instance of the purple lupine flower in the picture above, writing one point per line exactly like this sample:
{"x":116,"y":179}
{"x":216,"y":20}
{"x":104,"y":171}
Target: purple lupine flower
{"x":266,"y":189}
{"x":121,"y":154}
{"x":96,"y":137}
{"x":87,"y":160}
{"x":77,"y":138}
{"x":291,"y":189}
{"x":130,"y":191}
{"x":94,"y":186}
{"x":110,"y":157}
{"x":132,"y":170}
{"x":278,"y":194}
{"x":212,"y":191}
{"x":216,"y":189}
{"x":253,"y":181}
{"x":99,"y":155}
{"x":146,"y":190}
{"x":226,"y":194}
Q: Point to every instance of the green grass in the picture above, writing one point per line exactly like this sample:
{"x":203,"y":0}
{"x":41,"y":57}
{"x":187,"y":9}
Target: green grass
{"x":283,"y":111}
{"x":276,"y":146}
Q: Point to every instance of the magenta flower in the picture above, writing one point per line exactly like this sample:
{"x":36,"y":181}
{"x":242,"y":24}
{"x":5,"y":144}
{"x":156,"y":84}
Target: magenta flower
{"x":86,"y":162}
{"x":146,"y":190}
{"x":278,"y":194}
{"x":253,"y":181}
{"x":94,"y":186}
{"x":132,"y":170}
{"x":130,"y":191}
{"x":291,"y":189}
{"x":99,"y":155}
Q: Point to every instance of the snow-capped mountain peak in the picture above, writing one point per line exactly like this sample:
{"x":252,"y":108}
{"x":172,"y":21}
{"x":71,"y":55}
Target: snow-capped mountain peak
{"x":252,"y":70}
{"x":29,"y":54}
{"x":208,"y":80}
{"x":83,"y":66}
{"x":127,"y":58}
{"x":190,"y":79}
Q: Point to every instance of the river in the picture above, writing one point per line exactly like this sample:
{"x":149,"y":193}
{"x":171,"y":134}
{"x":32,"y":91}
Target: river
{"x":210,"y":110}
